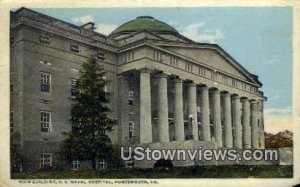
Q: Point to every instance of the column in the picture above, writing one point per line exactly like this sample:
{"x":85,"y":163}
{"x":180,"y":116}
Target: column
{"x":178,"y":111}
{"x":145,"y":107}
{"x":236,"y":122}
{"x":254,"y":128}
{"x":246,"y":124}
{"x":163,"y":114}
{"x":205,"y":127}
{"x":192,"y":109}
{"x":217,"y":117}
{"x":227,"y":120}
{"x":261,"y":125}
{"x":123,"y":110}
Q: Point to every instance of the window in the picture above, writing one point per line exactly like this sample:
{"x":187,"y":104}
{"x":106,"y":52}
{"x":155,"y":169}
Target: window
{"x":46,"y":160}
{"x":214,"y":75}
{"x":173,"y":61}
{"x":131,"y":129}
{"x":11,"y":88}
{"x":130,"y":97}
{"x":244,"y":86}
{"x":73,"y":89}
{"x":45,"y":121}
{"x":188,"y":66}
{"x":45,"y":82}
{"x":100,"y":55}
{"x":102,"y":164}
{"x":44,"y":39}
{"x":75,"y":164}
{"x":224,"y":79}
{"x":74,"y":48}
{"x":234,"y":83}
{"x":157,"y":55}
{"x":11,"y":121}
{"x":12,"y":40}
{"x":201,"y":71}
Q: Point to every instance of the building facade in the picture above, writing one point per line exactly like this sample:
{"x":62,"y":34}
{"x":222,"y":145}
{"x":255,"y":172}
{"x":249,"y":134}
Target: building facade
{"x":166,"y":88}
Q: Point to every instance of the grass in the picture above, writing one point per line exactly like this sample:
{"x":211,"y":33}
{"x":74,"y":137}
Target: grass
{"x":267,"y":171}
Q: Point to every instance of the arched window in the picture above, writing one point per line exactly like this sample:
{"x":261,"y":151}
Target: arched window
{"x":131,"y":129}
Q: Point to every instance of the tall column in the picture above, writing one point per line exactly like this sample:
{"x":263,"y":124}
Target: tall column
{"x":145,"y":107}
{"x":163,"y":114}
{"x":254,"y":128}
{"x":261,"y":127}
{"x":236,"y":121}
{"x":227,"y":120}
{"x":205,"y":127}
{"x":123,"y":110}
{"x":192,"y":109}
{"x":178,"y":111}
{"x":246,"y":124}
{"x":217,"y":117}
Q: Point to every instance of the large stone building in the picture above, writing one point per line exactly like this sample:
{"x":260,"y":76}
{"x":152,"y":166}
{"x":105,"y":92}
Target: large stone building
{"x":168,"y":90}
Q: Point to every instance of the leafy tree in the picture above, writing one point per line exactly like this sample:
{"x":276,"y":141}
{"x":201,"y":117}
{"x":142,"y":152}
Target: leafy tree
{"x":88,"y":139}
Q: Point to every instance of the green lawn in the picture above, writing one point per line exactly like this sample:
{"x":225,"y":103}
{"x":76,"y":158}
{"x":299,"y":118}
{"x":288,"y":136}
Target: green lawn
{"x":271,"y":171}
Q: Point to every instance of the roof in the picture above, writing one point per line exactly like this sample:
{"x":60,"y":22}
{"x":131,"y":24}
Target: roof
{"x":144,"y":23}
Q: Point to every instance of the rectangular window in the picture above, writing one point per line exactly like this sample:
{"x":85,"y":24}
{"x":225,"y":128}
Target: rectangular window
{"x":131,"y":130}
{"x":11,"y":121}
{"x":201,"y":71}
{"x":224,"y":79}
{"x":100,"y":55}
{"x":130,"y":97}
{"x":74,"y":48}
{"x":45,"y":82}
{"x":73,"y":89}
{"x":44,"y":39}
{"x":188,"y":66}
{"x":11,"y":88}
{"x":46,"y":160}
{"x":75,"y":164}
{"x":234,"y":83}
{"x":102,"y":164}
{"x":45,"y":121}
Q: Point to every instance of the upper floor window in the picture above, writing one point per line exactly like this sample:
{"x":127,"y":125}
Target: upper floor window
{"x":11,"y":121}
{"x":131,"y":129}
{"x":100,"y":55}
{"x":188,"y":66}
{"x":130,"y":97}
{"x":11,"y":88}
{"x":74,"y":48}
{"x":73,"y":89}
{"x":173,"y":61}
{"x":201,"y":71}
{"x":234,"y":83}
{"x":44,"y":39}
{"x":157,"y":55}
{"x":214,"y":75}
{"x":12,"y":40}
{"x":224,"y":79}
{"x":46,"y":160}
{"x":45,"y":82}
{"x":45,"y":121}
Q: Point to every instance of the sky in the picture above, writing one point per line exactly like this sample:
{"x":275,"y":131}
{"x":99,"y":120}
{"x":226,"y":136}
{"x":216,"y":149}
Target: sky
{"x":260,"y":39}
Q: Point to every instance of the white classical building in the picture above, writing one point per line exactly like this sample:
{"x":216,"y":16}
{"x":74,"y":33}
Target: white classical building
{"x":168,"y":90}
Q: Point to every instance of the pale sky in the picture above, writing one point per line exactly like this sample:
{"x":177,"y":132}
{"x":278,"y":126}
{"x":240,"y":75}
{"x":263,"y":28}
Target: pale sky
{"x":260,"y":39}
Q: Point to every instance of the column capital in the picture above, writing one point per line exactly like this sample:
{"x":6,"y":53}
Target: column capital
{"x":225,"y":93}
{"x":215,"y":91}
{"x":235,"y":96}
{"x":204,"y":88}
{"x":191,"y":84}
{"x":178,"y":80}
{"x":161,"y":75}
{"x":244,"y":99}
{"x":252,"y":101}
{"x":145,"y":70}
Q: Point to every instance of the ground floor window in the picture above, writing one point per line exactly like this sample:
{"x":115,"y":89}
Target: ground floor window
{"x":46,"y":160}
{"x":75,"y":164}
{"x":102,"y":164}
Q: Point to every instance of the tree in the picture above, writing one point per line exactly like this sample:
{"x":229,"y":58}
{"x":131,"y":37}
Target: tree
{"x":90,"y":112}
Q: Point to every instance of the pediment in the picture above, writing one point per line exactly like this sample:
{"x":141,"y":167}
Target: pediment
{"x":215,"y":58}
